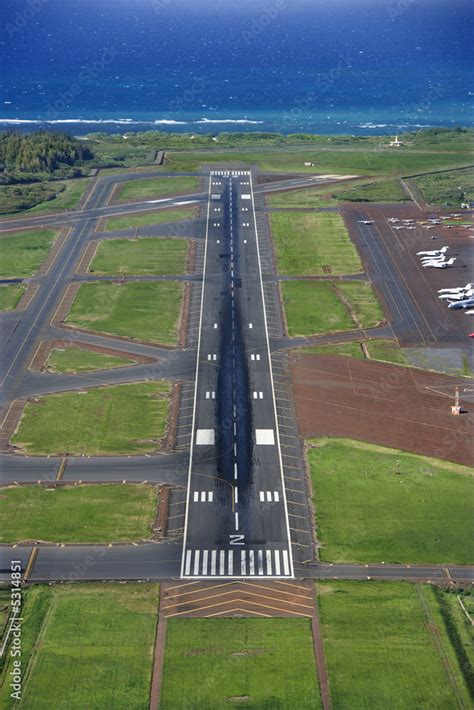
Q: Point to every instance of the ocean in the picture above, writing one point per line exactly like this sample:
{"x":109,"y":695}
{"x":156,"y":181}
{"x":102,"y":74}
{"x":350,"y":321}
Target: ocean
{"x":320,"y":66}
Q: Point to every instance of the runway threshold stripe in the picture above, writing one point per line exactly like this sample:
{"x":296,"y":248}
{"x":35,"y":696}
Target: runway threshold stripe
{"x":187,"y":568}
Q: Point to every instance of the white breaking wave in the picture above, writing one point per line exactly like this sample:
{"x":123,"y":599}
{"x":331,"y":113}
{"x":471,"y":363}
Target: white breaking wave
{"x":124,"y":121}
{"x":227,"y":120}
{"x":170,"y":122}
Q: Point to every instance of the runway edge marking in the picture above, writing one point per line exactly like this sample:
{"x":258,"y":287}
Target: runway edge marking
{"x":290,"y":550}
{"x":191,"y":452}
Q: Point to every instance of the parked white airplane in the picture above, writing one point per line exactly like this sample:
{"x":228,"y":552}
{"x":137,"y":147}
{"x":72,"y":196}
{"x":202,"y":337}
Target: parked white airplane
{"x":435,"y":252}
{"x":427,"y":226}
{"x":457,"y":296}
{"x":439,"y":264}
{"x":460,"y":288}
{"x":469,"y":313}
{"x":399,"y":227}
{"x":467,"y":303}
{"x":410,"y":227}
{"x":393,"y":219}
{"x":365,"y":221}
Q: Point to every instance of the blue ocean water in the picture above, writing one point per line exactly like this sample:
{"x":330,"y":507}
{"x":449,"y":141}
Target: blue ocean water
{"x":324,"y":66}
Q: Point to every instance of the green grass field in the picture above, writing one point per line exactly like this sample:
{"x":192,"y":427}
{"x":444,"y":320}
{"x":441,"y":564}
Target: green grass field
{"x":383,"y":350}
{"x":23,"y":252}
{"x":313,"y":307}
{"x":227,"y":663}
{"x":145,"y":219}
{"x":360,"y":162}
{"x":66,"y":196}
{"x":368,"y":512}
{"x":322,"y":196}
{"x":459,"y":627}
{"x":344,"y":349}
{"x":124,"y":419}
{"x":363,"y":302}
{"x":74,"y":360}
{"x":450,"y":188}
{"x":141,"y":256}
{"x":82,"y":514}
{"x":157,"y":187}
{"x":311,"y":244}
{"x":141,"y":310}
{"x":381,"y":646}
{"x":381,"y":191}
{"x":387,"y":351}
{"x":10,"y":294}
{"x":89,"y":646}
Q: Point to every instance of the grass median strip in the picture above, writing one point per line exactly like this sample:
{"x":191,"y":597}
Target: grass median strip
{"x":95,"y":640}
{"x":74,"y":360}
{"x":77,"y":514}
{"x":157,"y":187}
{"x":224,"y":663}
{"x":10,"y":294}
{"x":312,"y":244}
{"x":123,"y":419}
{"x":145,"y":219}
{"x":386,"y":646}
{"x":382,"y":350}
{"x":23,"y":252}
{"x":313,"y":307}
{"x":137,"y":310}
{"x":377,"y":504}
{"x":140,"y":256}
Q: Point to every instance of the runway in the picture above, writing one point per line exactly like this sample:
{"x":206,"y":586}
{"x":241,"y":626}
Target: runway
{"x":236,"y":516}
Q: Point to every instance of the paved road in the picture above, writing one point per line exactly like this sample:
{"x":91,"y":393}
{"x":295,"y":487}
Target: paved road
{"x":158,"y":561}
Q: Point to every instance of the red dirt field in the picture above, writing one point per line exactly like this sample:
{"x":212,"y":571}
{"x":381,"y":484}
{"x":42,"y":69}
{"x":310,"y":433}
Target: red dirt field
{"x":383,"y":404}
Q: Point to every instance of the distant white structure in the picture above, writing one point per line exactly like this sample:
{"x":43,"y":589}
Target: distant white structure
{"x":396,"y":143}
{"x":308,"y":164}
{"x":467,"y":205}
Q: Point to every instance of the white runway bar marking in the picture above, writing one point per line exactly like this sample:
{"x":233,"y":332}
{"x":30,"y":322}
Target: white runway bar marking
{"x":269,"y":561}
{"x":252,"y":562}
{"x":187,"y":568}
{"x":277,"y":563}
{"x":205,"y":437}
{"x":196,"y":563}
{"x":264,"y":437}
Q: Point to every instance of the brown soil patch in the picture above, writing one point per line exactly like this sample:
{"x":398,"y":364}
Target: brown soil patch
{"x":383,"y":404}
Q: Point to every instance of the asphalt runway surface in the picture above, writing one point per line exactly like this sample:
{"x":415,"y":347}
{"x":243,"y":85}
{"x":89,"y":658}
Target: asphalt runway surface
{"x":237,"y":521}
